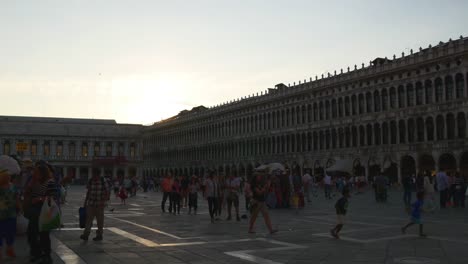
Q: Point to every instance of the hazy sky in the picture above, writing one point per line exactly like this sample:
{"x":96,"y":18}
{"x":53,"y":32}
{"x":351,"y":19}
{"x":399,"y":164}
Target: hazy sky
{"x":141,"y":61}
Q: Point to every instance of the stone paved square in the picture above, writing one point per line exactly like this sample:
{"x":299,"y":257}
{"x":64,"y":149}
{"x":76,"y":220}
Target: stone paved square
{"x":139,"y":233}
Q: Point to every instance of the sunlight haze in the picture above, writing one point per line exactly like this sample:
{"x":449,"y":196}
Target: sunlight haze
{"x":143,"y":61}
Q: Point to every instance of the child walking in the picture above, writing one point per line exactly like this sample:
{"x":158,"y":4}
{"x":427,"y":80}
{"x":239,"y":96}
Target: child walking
{"x":341,"y":207}
{"x":123,"y":195}
{"x":417,"y":208}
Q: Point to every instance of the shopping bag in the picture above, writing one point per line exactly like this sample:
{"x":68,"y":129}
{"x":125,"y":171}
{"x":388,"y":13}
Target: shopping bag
{"x":82,"y":215}
{"x":21,"y":224}
{"x":49,"y":217}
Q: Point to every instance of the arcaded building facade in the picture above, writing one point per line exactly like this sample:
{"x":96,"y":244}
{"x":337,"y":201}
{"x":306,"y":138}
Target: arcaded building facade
{"x":401,"y":115}
{"x":75,"y":146}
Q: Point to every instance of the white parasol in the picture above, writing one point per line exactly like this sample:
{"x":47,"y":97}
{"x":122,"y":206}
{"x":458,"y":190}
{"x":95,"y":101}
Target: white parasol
{"x":9,"y":165}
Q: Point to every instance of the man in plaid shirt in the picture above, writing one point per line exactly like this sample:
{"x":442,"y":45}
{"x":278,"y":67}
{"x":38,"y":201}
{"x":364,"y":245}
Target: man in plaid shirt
{"x":96,"y":198}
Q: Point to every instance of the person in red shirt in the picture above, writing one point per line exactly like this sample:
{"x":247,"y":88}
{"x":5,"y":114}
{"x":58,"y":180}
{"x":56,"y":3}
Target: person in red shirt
{"x":166,"y":185}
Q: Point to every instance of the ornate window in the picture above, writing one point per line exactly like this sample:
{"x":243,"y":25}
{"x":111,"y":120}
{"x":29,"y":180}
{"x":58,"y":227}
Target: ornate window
{"x":393,"y":100}
{"x":448,"y":88}
{"x":384,"y":100}
{"x":419,"y":93}
{"x":439,"y":91}
{"x":428,"y":87}
{"x":460,"y":85}
{"x":410,"y":95}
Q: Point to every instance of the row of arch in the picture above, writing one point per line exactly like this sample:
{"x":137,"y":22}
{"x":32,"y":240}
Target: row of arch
{"x":407,"y":165}
{"x":439,"y":89}
{"x":448,"y":126}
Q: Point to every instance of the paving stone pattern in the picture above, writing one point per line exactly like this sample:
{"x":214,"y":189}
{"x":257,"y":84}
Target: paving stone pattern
{"x":140,"y":233}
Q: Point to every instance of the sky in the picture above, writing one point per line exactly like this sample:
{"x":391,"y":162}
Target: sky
{"x":141,"y":61}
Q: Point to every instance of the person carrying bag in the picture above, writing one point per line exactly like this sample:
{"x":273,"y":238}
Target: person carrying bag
{"x":42,"y":213}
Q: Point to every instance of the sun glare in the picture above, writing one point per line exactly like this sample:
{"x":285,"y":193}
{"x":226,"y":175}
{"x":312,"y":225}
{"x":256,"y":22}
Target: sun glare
{"x":148,"y":99}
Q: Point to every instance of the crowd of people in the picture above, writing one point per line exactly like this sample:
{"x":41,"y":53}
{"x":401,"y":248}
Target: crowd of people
{"x":26,"y":186}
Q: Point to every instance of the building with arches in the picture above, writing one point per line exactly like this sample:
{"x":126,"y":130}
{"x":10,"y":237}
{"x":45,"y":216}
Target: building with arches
{"x":401,"y":115}
{"x":73,"y":145}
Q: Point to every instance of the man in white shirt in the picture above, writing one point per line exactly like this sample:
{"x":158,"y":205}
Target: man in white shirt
{"x":306,"y":181}
{"x":232,"y":188}
{"x":212,"y":194}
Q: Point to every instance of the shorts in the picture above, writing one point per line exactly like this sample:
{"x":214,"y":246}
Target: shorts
{"x":257,"y":207}
{"x":233,"y":198}
{"x":340,"y":218}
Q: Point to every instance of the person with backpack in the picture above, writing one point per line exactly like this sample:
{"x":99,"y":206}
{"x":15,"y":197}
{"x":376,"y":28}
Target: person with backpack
{"x":98,"y":193}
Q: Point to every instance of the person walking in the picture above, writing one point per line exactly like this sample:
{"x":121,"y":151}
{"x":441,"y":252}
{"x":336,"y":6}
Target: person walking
{"x":97,"y":195}
{"x":40,"y":189}
{"x":407,"y":189}
{"x":212,"y":194}
{"x":327,"y":181}
{"x":429,"y":192}
{"x":260,"y":188}
{"x":443,"y":187}
{"x":306,"y":181}
{"x":193,"y":189}
{"x":417,"y":208}
{"x":11,"y":204}
{"x":175,"y":197}
{"x":232,"y":188}
{"x":166,"y":186}
{"x":341,"y":207}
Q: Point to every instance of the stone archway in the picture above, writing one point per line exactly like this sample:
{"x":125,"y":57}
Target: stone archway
{"x":426,"y":164}
{"x":374,"y":169}
{"x":448,"y":163}
{"x":408,"y":166}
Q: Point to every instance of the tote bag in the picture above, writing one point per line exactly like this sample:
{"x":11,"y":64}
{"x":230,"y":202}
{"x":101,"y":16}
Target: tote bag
{"x":49,"y":217}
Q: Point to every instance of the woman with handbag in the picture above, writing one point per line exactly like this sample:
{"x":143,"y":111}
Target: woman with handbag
{"x":41,"y":188}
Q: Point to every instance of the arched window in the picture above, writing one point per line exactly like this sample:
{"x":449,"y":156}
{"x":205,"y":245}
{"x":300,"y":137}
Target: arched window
{"x":322,"y":140}
{"x":402,"y":131}
{"x":385,"y":133}
{"x":309,"y":113}
{"x":461,"y":122}
{"x":354,"y":136}
{"x":377,"y":134}
{"x":327,"y":110}
{"x":327,"y":136}
{"x":450,"y":126}
{"x":309,"y":141}
{"x":369,"y":135}
{"x":410,"y":95}
{"x":361,"y":104}
{"x":401,"y":96}
{"x":430,"y":129}
{"x":459,"y":85}
{"x":440,"y":126}
{"x":420,"y":129}
{"x":393,"y":132}
{"x":368,"y":102}
{"x":315,"y":141}
{"x":439,"y":91}
{"x":419,"y":93}
{"x":347,"y":106}
{"x":340,"y":107}
{"x":334,"y":110}
{"x":293,"y":116}
{"x":347,"y":137}
{"x":362,"y":136}
{"x":298,"y":115}
{"x":353,"y":104}
{"x":333,"y":138}
{"x":321,"y":110}
{"x":428,"y":87}
{"x":393,"y":98}
{"x":377,"y":101}
{"x":341,"y":137}
{"x":315,"y":112}
{"x":448,"y":88}
{"x":384,"y":100}
{"x":411,"y":128}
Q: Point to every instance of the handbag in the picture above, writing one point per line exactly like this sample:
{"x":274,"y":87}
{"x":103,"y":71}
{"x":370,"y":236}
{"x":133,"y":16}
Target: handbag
{"x":21,"y":224}
{"x":49,"y":218}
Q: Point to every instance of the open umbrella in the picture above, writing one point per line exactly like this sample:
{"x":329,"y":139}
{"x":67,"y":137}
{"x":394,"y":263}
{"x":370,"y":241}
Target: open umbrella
{"x":341,"y":168}
{"x":9,"y":165}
